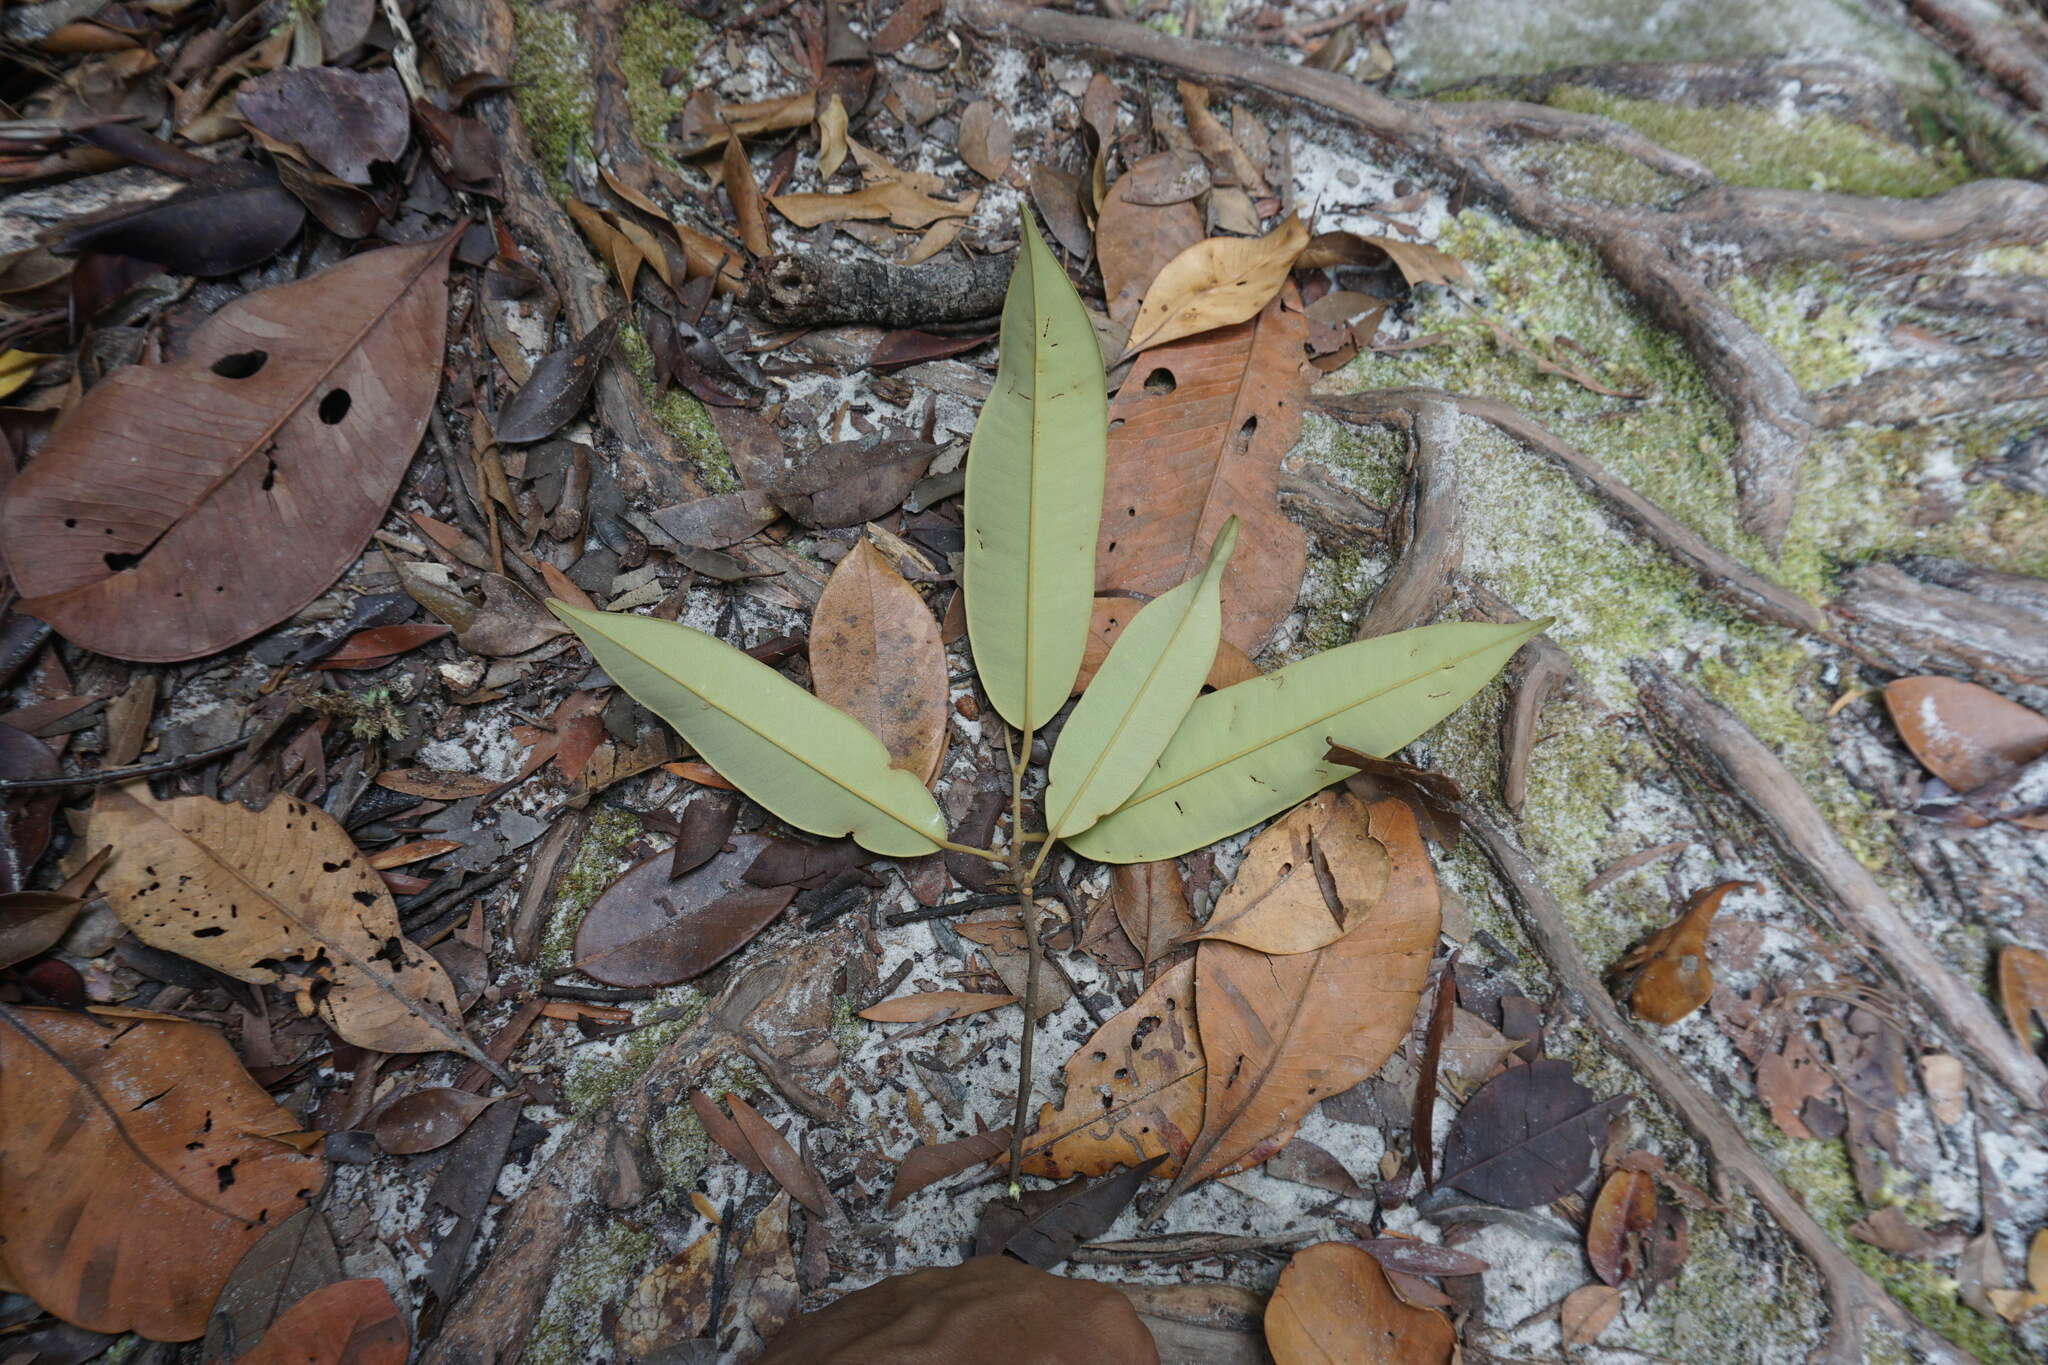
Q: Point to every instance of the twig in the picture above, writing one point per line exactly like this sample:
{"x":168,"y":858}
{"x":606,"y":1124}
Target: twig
{"x":108,"y":776}
{"x":1421,"y":578}
{"x":950,"y":909}
{"x":1855,"y":1300}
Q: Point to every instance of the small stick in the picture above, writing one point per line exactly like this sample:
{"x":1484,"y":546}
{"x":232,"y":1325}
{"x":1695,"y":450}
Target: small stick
{"x":109,"y":776}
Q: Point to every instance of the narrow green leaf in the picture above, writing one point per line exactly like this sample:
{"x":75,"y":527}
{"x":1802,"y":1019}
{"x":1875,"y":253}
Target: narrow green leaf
{"x":1034,"y":494}
{"x":813,"y":765}
{"x":1253,"y":750}
{"x":1138,"y":698}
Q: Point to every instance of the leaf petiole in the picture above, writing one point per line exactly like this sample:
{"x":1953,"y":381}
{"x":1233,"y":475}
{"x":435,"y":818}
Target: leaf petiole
{"x":987,"y":854}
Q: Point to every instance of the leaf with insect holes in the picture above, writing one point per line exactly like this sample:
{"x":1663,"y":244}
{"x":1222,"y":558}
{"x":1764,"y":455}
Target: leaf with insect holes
{"x":1253,"y":750}
{"x":805,"y":760}
{"x":1137,"y":699}
{"x":1215,"y":283}
{"x":1034,"y":495}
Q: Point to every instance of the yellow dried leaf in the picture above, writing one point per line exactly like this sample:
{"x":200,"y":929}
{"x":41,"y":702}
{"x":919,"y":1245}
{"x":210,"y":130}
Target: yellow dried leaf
{"x":1215,"y":283}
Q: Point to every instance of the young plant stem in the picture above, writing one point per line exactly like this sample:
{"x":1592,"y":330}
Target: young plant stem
{"x":985,"y":854}
{"x":1027,"y":916}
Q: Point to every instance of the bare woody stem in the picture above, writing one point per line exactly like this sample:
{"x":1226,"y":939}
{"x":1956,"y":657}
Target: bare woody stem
{"x":1027,"y":916}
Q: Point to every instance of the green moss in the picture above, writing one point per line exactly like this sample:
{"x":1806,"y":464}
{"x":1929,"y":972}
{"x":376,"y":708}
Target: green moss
{"x":593,"y":1079}
{"x":600,"y":857}
{"x":653,"y":38}
{"x":1334,"y":597}
{"x":1745,"y":145}
{"x":599,"y":1267}
{"x":846,"y":1027}
{"x":1811,"y":317}
{"x":551,"y":88}
{"x":682,"y":417}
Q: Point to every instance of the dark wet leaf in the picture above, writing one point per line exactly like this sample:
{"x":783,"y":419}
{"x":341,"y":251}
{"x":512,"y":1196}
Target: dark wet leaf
{"x":1057,"y":194}
{"x":24,"y":816}
{"x":425,"y":1119}
{"x":463,"y":150}
{"x":1423,"y":1124}
{"x":1412,"y":1257}
{"x":717,"y":521}
{"x":706,"y":826}
{"x":291,"y":1261}
{"x":791,"y":862}
{"x":32,"y":922}
{"x":204,"y":229}
{"x":1434,"y":797}
{"x":1045,"y":1226}
{"x":851,"y":482}
{"x":934,"y":1161}
{"x":555,"y":391}
{"x":1529,"y":1136}
{"x":1304,"y":1163}
{"x":345,"y":120}
{"x":911,"y":347}
{"x":649,"y":930}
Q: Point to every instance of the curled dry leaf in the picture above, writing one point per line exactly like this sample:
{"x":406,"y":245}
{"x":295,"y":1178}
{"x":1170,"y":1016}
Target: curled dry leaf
{"x":1280,"y":1033}
{"x":876,"y":655}
{"x":1620,"y":1222}
{"x":1200,"y":428}
{"x":282,"y":431}
{"x":933,"y":1161}
{"x":1587,"y":1312}
{"x":1966,"y":735}
{"x":1333,"y":1303}
{"x":890,"y":199}
{"x":651,"y":928}
{"x":137,"y":1164}
{"x":917,"y":1009}
{"x":1529,"y":1136}
{"x":1044,"y":1227}
{"x":1667,"y":976}
{"x":1418,"y":262}
{"x":275,"y":897}
{"x":1215,"y":283}
{"x":32,"y":923}
{"x":1305,"y":879}
{"x":831,"y":137}
{"x":423,"y":1120}
{"x":350,"y":1322}
{"x":2023,"y":988}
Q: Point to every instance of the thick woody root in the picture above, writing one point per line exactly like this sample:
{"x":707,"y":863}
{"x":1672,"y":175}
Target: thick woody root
{"x":1666,"y":257}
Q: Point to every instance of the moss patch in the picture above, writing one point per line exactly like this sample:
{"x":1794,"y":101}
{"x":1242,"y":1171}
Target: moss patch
{"x":601,"y":1266}
{"x":655,"y":38}
{"x":600,"y":857}
{"x":682,"y":417}
{"x":551,"y":88}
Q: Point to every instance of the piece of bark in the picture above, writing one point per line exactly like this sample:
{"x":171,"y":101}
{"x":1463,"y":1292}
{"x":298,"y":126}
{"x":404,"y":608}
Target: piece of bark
{"x":1990,"y":634}
{"x":820,"y":290}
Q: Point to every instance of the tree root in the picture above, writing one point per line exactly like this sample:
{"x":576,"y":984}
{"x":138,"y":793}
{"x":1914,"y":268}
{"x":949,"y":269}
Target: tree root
{"x":1949,"y":619}
{"x":1667,"y":258}
{"x":1855,"y":1300}
{"x":1909,"y":394}
{"x":1420,"y":583}
{"x":1752,"y":775}
{"x":2013,"y":54}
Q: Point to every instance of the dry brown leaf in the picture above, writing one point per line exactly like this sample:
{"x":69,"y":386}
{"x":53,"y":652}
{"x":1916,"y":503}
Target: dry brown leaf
{"x":1134,"y":241}
{"x":891,"y":199}
{"x":1788,"y":1078}
{"x":1667,"y":976}
{"x":1227,"y":160}
{"x":1215,"y":283}
{"x":1966,"y":735}
{"x":1106,"y":623}
{"x":1281,"y":1033}
{"x":1197,"y":433}
{"x":137,"y":1164}
{"x":1620,"y":1220}
{"x":1333,"y":1304}
{"x":706,"y":255}
{"x":876,"y":655}
{"x":780,"y":1159}
{"x":2014,"y":1304}
{"x":934,"y":1161}
{"x":1418,"y":262}
{"x":1586,"y":1313}
{"x":1281,"y":899}
{"x":831,"y":137}
{"x":2023,"y":988}
{"x":615,"y":247}
{"x":916,"y":1009}
{"x":250,"y":892}
{"x":745,"y":194}
{"x":1151,"y":904}
{"x":349,"y":1322}
{"x":672,"y":1302}
{"x":985,"y":140}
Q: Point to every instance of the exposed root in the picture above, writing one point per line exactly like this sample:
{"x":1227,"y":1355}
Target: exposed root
{"x":1913,"y":394}
{"x":1421,"y":579}
{"x":1855,"y":1300}
{"x":1987,"y":626}
{"x":1666,"y":257}
{"x":2014,"y":54}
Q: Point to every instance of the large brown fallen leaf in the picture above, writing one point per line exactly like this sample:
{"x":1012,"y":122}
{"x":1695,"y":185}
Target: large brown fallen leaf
{"x":1333,"y":1303}
{"x":1215,"y":283}
{"x":1418,"y":262}
{"x":186,"y":506}
{"x":1196,"y":435}
{"x":649,"y":929}
{"x":271,"y":895}
{"x":351,"y":1322}
{"x":876,"y":655}
{"x":672,"y":1302}
{"x":1304,"y":879}
{"x":1280,"y":1033}
{"x":1134,"y":240}
{"x":1667,"y":975}
{"x":138,"y":1162}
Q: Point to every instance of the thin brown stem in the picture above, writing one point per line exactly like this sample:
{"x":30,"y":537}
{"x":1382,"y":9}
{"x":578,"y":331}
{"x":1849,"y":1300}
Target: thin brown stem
{"x":1027,"y":916}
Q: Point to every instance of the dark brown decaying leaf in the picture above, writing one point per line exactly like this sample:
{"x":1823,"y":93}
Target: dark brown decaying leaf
{"x":1621,"y":1219}
{"x":1045,"y":1226}
{"x":1304,"y":1163}
{"x":851,"y":482}
{"x":32,"y":922}
{"x":555,"y":391}
{"x":933,"y":1161}
{"x":1334,"y":1303}
{"x":1434,"y":797}
{"x":349,"y":1322}
{"x":281,"y":431}
{"x":117,"y":1218}
{"x":1667,"y":976}
{"x":910,"y":347}
{"x":347,"y":120}
{"x":1151,"y":903}
{"x":649,"y":929}
{"x":1442,"y":1008}
{"x":800,"y":863}
{"x":206,"y":229}
{"x":1413,"y":1257}
{"x":876,"y":655}
{"x":291,"y":1261}
{"x":1197,"y":434}
{"x":773,"y":1151}
{"x":1528,"y":1137}
{"x":705,"y":827}
{"x":717,"y":521}
{"x":1057,"y":195}
{"x":421,"y":1120}
{"x":1165,"y":178}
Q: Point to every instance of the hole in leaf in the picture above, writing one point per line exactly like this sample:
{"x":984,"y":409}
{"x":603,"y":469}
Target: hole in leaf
{"x":335,"y":406}
{"x":1160,"y":382}
{"x":120,"y":563}
{"x":240,"y":364}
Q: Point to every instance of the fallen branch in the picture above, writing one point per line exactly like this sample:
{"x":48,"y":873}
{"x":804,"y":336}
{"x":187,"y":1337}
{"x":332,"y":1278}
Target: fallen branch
{"x":1667,"y":258}
{"x":1855,"y":1300}
{"x":1751,"y":774}
{"x":818,"y":290}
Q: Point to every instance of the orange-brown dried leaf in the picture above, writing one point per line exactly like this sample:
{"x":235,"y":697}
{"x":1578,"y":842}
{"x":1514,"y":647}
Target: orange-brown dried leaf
{"x":1281,"y":1033}
{"x":916,"y":1009}
{"x":2023,"y":988}
{"x":113,"y":1144}
{"x":784,"y":1163}
{"x":1281,"y":899}
{"x":877,"y":656}
{"x":1966,"y":735}
{"x":1133,"y":242}
{"x":1196,"y":435}
{"x":1586,"y":1313}
{"x":745,"y":194}
{"x":1151,"y":903}
{"x":1621,"y":1219}
{"x":1333,"y":1304}
{"x":932,"y":1161}
{"x":1667,"y":976}
{"x":351,"y":1322}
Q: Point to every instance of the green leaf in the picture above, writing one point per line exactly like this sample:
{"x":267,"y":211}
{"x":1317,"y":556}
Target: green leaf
{"x":813,"y":765}
{"x":1138,"y":698}
{"x":1034,"y":494}
{"x":1253,"y":750}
